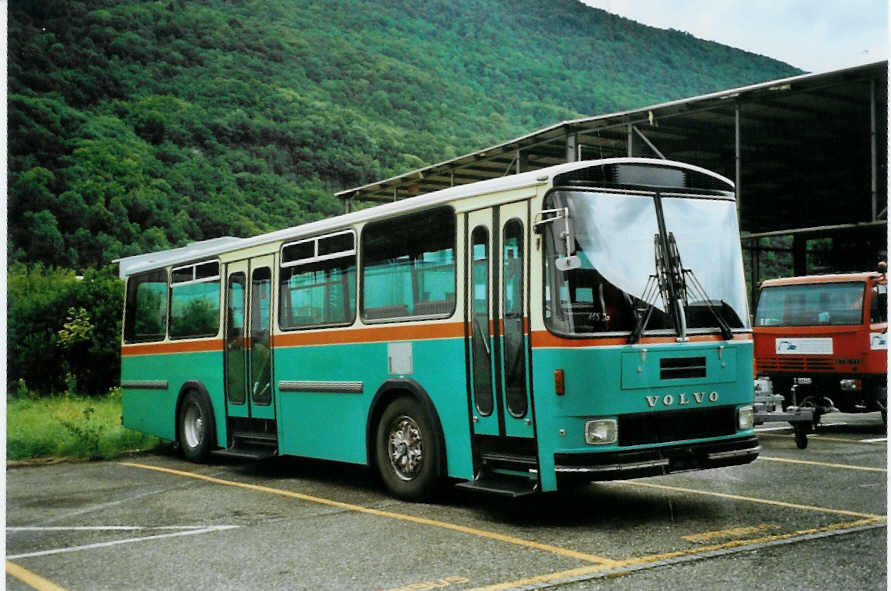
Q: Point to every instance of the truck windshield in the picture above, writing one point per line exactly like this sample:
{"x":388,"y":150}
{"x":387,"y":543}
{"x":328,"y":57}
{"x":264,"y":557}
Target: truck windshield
{"x":616,"y":236}
{"x":814,"y":304}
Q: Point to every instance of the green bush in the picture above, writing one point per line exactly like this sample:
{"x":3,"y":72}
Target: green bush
{"x":64,"y":330}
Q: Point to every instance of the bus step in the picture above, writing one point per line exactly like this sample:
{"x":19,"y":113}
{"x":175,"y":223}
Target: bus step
{"x":247,"y":453}
{"x":249,"y":439}
{"x":504,"y":486}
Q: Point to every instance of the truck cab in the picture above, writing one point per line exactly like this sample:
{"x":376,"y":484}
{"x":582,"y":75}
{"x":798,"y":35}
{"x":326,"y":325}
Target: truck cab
{"x":822,"y":340}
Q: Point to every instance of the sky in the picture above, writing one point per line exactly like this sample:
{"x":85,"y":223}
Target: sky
{"x":814,"y":35}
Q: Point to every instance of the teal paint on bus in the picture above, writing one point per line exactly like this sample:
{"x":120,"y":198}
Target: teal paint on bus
{"x":154,"y":411}
{"x":332,"y":425}
{"x":603,"y":382}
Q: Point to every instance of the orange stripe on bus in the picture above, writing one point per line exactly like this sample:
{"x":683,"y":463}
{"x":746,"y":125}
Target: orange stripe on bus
{"x":173,"y":347}
{"x":410,"y":332}
{"x":543,"y":338}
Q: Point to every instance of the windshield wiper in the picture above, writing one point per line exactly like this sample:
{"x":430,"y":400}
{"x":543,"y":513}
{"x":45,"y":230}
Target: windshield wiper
{"x":671,"y":280}
{"x":642,"y":313}
{"x":657,"y":284}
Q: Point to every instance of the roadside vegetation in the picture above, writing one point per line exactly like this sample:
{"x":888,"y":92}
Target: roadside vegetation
{"x":69,"y":426}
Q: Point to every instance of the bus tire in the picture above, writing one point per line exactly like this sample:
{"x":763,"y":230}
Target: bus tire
{"x":195,"y":426}
{"x":407,"y":450}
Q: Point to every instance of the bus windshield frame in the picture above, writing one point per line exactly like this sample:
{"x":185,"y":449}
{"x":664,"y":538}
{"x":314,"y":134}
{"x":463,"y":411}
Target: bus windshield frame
{"x":616,"y":236}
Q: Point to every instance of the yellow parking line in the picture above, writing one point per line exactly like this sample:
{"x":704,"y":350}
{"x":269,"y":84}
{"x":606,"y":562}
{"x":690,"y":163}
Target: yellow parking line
{"x":745,"y":542}
{"x":733,"y":532}
{"x":651,"y":558}
{"x":750,"y":499}
{"x":31,"y":579}
{"x":827,"y":464}
{"x":388,"y":514}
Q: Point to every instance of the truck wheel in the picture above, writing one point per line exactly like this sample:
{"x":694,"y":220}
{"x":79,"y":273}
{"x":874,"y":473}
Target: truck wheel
{"x":407,"y":450}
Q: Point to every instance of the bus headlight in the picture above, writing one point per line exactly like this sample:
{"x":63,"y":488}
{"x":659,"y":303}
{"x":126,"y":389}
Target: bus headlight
{"x":745,"y":418}
{"x":601,"y":432}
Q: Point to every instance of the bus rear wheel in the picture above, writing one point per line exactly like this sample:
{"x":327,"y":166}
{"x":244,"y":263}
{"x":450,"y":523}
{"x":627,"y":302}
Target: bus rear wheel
{"x":407,"y":450}
{"x":195,"y":427}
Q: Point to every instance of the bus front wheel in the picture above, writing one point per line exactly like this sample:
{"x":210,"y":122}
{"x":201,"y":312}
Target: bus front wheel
{"x":407,"y":450}
{"x":195,"y":427}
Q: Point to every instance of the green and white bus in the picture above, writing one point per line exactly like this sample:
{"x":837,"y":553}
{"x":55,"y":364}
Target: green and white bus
{"x":582,"y":322}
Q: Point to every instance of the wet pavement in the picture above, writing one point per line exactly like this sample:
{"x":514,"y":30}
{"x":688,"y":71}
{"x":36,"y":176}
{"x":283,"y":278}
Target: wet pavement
{"x":812,"y":518}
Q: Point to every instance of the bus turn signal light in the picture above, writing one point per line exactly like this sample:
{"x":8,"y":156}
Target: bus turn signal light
{"x":559,"y":382}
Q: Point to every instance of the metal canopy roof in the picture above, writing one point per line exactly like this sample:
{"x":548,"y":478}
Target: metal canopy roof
{"x":807,"y":151}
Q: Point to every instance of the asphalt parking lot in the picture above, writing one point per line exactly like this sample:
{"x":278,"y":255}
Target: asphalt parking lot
{"x":806,"y":519}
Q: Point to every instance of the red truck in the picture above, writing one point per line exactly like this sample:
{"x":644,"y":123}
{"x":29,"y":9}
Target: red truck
{"x":828,"y":336}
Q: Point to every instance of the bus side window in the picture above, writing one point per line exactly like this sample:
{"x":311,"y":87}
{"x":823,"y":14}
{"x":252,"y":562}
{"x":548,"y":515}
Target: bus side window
{"x":195,"y":301}
{"x":408,"y":266}
{"x":317,"y":282}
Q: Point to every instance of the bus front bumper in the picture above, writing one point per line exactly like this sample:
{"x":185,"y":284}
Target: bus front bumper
{"x":656,"y":461}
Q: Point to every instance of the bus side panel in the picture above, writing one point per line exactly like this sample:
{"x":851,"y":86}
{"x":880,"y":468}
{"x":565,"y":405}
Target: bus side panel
{"x":154,"y":410}
{"x":149,"y":410}
{"x":331,"y":425}
{"x":596,"y":388}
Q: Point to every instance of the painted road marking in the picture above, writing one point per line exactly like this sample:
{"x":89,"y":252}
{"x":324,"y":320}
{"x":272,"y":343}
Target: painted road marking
{"x":389,"y":514}
{"x":101,"y":506}
{"x":105,"y":527}
{"x":31,"y":579}
{"x":827,"y":464}
{"x":733,"y":532}
{"x":876,"y":440}
{"x":188,"y":532}
{"x":751,"y":499}
{"x":625,"y":567}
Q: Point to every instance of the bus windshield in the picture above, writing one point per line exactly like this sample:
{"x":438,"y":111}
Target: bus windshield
{"x":814,"y":304}
{"x":617,"y":281}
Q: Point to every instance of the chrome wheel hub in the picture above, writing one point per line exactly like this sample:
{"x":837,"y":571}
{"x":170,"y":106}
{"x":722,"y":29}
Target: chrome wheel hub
{"x":193,"y":426}
{"x":405,"y":448}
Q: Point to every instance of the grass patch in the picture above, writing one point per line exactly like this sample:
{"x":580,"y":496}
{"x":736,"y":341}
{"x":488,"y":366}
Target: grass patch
{"x":70,"y":426}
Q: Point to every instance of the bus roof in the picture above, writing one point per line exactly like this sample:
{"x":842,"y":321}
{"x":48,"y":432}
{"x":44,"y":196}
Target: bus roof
{"x":835,"y":278}
{"x":210,"y":248}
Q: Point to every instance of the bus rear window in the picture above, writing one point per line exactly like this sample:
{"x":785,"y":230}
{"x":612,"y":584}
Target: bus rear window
{"x":145,"y":316}
{"x":815,"y":304}
{"x":408,"y":266}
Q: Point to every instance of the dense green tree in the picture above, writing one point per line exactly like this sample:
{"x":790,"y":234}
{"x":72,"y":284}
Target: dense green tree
{"x":61,"y":324}
{"x":152,"y":123}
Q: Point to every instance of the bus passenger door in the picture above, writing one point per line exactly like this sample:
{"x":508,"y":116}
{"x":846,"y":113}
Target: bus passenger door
{"x":497,"y":321}
{"x":235,"y":337}
{"x":513,"y":320}
{"x":248,"y":343}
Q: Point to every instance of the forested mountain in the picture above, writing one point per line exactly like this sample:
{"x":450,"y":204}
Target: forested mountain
{"x":139,"y":125}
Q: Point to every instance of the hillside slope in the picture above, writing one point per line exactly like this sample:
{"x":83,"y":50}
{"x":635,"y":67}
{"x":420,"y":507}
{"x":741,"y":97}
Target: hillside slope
{"x":136,"y":125}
